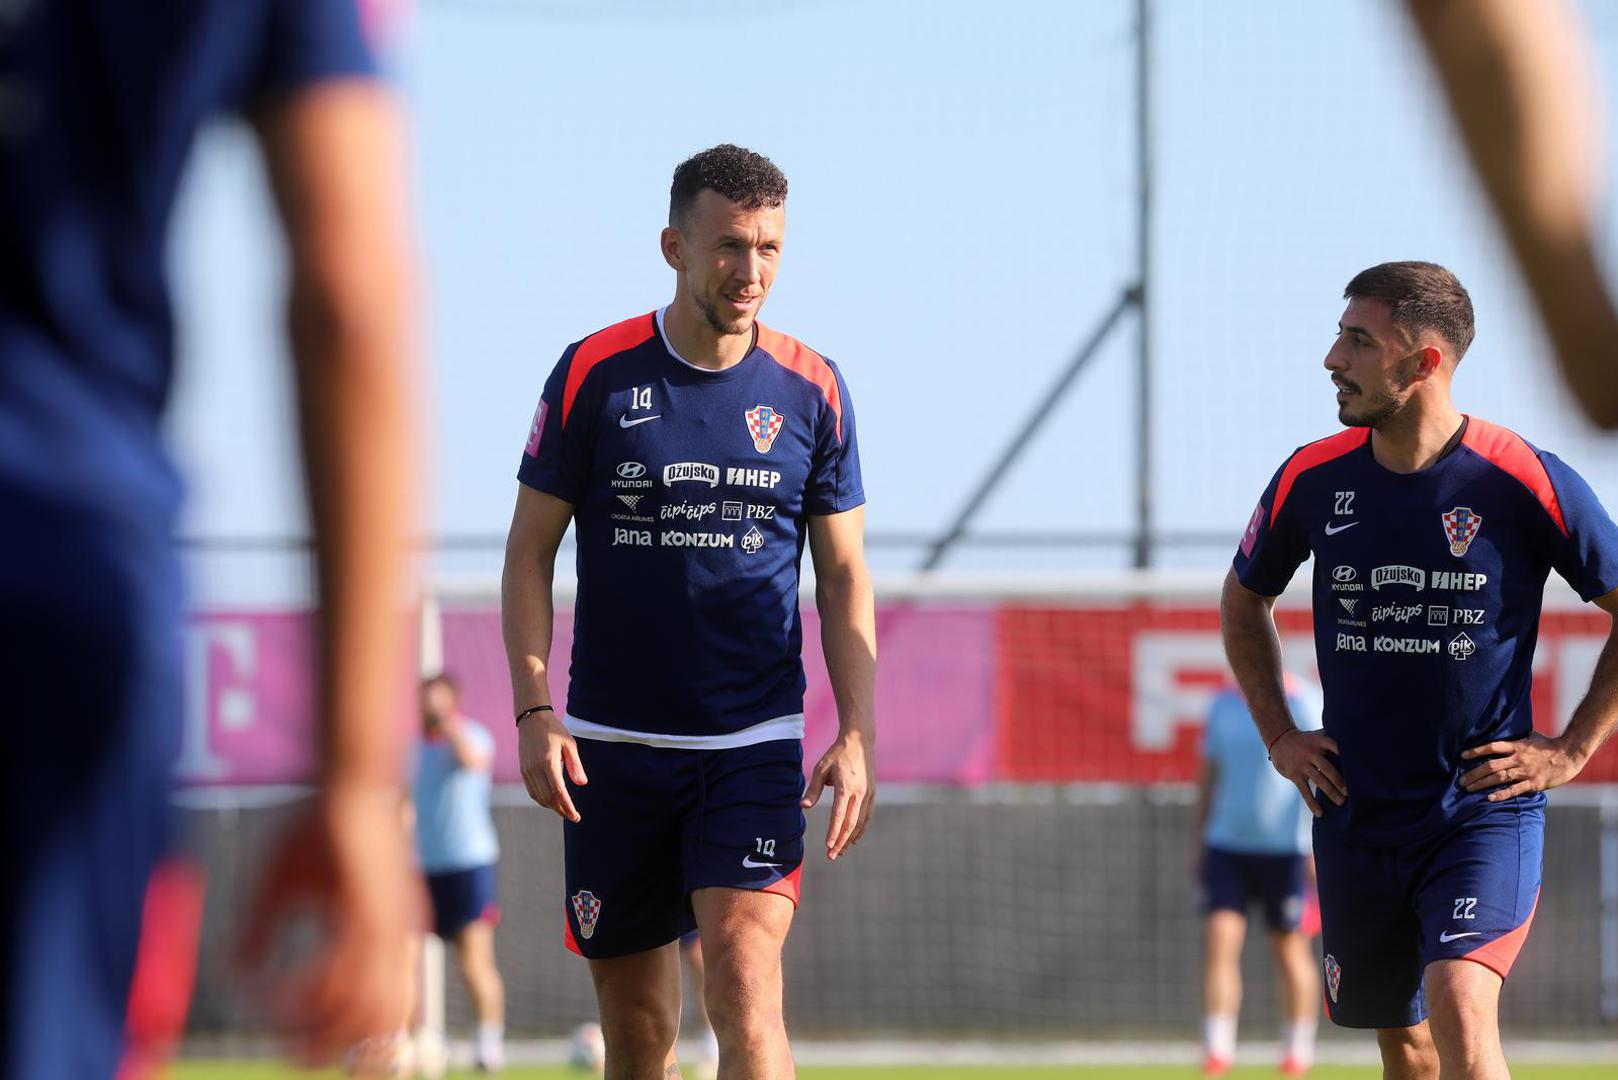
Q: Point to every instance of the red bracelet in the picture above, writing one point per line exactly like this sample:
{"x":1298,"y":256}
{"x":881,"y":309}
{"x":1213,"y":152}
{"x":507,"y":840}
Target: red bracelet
{"x":1277,"y":739}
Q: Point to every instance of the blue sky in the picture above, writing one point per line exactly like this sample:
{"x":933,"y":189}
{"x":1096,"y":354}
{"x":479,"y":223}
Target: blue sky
{"x":961,"y":212}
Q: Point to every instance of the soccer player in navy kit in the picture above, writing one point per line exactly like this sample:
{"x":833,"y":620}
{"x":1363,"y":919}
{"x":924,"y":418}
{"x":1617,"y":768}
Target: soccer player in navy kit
{"x":695,"y":451}
{"x":99,"y":104}
{"x":1433,"y":534}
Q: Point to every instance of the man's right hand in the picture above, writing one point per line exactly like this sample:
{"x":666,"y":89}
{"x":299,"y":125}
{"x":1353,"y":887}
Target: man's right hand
{"x":1301,"y":756}
{"x":545,"y":749}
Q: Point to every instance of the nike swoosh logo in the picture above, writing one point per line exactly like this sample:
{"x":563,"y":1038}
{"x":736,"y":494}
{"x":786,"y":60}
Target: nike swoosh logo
{"x":1447,"y":937}
{"x":747,"y":861}
{"x":625,"y":421}
{"x":1334,"y":531}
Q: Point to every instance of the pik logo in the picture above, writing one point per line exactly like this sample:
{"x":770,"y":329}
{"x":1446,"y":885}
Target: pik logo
{"x":588,"y":909}
{"x":752,"y":541}
{"x":1461,"y":647}
{"x":763,"y":424}
{"x":1461,"y":527}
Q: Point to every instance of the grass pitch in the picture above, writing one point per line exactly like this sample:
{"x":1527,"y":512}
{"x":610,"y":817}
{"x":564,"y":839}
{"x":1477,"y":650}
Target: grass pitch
{"x":230,"y":1070}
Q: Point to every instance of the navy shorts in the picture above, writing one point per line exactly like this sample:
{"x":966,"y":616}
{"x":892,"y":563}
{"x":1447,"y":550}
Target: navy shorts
{"x":462,"y":897}
{"x":90,"y":625}
{"x":1388,"y":912}
{"x":657,"y":824}
{"x":1232,"y":881}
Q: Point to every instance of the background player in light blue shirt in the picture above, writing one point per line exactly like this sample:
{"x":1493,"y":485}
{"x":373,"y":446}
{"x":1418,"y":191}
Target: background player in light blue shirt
{"x":458,"y":847}
{"x":1252,"y":845}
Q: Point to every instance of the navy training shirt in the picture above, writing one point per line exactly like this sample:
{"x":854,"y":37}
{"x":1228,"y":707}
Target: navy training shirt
{"x":1427,"y":595}
{"x":100,"y":101}
{"x":691,"y":491}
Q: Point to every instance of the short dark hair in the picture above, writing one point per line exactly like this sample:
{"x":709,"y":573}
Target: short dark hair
{"x":1420,"y":296}
{"x":444,"y":679}
{"x":735,"y":172}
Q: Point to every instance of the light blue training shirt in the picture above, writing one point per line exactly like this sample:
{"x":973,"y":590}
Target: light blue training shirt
{"x":453,"y":828}
{"x":1253,"y":809}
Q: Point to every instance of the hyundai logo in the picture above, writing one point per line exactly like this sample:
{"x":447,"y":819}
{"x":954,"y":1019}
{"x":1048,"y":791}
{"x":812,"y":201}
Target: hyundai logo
{"x":1341,"y":574}
{"x":629,"y":470}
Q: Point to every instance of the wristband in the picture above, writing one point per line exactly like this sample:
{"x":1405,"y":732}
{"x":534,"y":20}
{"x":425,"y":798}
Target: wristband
{"x":1277,"y":739}
{"x":530,"y":711}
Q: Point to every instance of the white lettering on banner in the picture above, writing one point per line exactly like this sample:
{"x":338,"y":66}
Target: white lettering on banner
{"x":1175,"y":674}
{"x":1398,"y":575}
{"x":698,"y":471}
{"x":698,"y":539}
{"x":236,"y":706}
{"x":632,"y":537}
{"x":1459,"y":581}
{"x":758,"y":478}
{"x":1350,"y":643}
{"x":689,"y":511}
{"x":1404,"y":645}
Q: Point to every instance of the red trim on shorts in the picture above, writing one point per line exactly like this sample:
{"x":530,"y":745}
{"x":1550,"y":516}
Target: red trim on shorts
{"x":604,"y":345}
{"x":1506,"y":450}
{"x":795,"y":356}
{"x":568,"y":939}
{"x":490,"y":914}
{"x":1501,"y":953}
{"x":1316,"y":453}
{"x":165,"y":968}
{"x":790,"y":886}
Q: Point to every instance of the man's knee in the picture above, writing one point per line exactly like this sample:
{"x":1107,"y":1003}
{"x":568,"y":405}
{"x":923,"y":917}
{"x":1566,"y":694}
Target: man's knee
{"x":640,"y":1006}
{"x":1463,"y":998}
{"x":1408,"y":1053}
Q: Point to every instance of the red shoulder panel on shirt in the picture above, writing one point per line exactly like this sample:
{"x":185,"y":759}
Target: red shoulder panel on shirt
{"x":794,"y":355}
{"x":603,"y":345}
{"x":1316,"y":453}
{"x":1507,"y":451}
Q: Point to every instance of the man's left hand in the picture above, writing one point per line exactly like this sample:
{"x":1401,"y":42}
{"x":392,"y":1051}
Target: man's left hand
{"x":1520,"y":766}
{"x":849,"y":768}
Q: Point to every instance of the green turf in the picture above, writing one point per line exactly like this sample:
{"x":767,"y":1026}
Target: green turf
{"x":210,"y":1070}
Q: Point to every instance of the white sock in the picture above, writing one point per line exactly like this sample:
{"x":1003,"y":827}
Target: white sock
{"x":491,"y":1033}
{"x":1299,"y":1036}
{"x":1219,"y":1037}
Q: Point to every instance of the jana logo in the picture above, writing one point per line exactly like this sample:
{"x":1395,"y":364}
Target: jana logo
{"x":1334,"y":976}
{"x":1344,"y":574}
{"x":763,"y":424}
{"x":631,"y":470}
{"x":588,"y":910}
{"x":1461,"y":527}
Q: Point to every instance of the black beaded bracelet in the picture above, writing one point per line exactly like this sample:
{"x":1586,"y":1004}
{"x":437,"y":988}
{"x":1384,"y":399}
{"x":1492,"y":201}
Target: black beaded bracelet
{"x":526,"y":713}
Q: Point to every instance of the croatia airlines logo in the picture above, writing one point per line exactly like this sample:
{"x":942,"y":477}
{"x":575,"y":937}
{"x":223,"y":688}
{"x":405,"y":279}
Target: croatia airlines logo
{"x":588,"y":910}
{"x":1461,"y":527}
{"x":763,"y":424}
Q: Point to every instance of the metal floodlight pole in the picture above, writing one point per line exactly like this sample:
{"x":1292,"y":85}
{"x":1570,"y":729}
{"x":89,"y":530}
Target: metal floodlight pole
{"x":1042,"y":411}
{"x":1143,"y":240}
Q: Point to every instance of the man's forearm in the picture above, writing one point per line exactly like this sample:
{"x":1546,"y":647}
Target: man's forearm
{"x":356,"y":416}
{"x":847,"y":605}
{"x":1253,"y":649}
{"x":1593,"y":721}
{"x":527,"y":622}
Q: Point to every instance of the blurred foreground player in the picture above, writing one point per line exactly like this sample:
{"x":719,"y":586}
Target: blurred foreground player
{"x":1252,"y":847}
{"x":696,"y":451}
{"x":458,"y":848}
{"x":101,"y":100}
{"x":1521,"y":83}
{"x":1433,"y":534}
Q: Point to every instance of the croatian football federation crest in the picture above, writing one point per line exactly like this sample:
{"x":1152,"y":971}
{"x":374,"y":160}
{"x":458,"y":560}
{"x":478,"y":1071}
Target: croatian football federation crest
{"x":1334,"y":976}
{"x":1461,"y":527}
{"x":764,"y":424}
{"x":588,"y":910}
